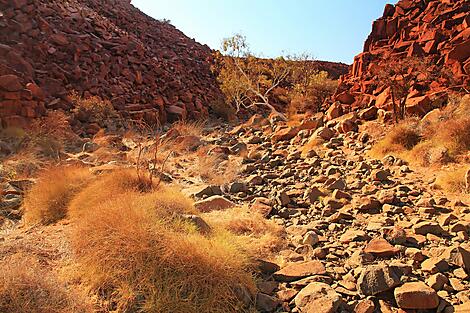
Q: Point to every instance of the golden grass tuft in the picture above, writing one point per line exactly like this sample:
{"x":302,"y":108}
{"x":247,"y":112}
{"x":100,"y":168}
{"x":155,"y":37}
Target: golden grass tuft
{"x":25,"y":286}
{"x":108,"y":186}
{"x":214,"y":169}
{"x":187,"y":128}
{"x":259,"y":235}
{"x":138,"y":260}
{"x":402,"y":137}
{"x":452,"y":180}
{"x":442,"y":138}
{"x":454,"y":134}
{"x":48,"y":199}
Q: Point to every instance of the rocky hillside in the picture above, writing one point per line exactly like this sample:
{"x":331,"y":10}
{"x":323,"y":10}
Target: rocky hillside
{"x":335,"y":69}
{"x":436,"y":32}
{"x":107,"y":48}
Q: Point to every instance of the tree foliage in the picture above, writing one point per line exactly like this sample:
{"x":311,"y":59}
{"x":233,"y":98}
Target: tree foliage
{"x":245,"y":81}
{"x":250,"y":82}
{"x":402,"y":75}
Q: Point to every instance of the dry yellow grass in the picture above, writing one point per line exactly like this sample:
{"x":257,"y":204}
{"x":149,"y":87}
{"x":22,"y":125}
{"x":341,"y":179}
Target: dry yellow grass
{"x":213,"y":169}
{"x":400,"y":138}
{"x":92,"y":108}
{"x":138,"y":258}
{"x":452,"y":180}
{"x":49,"y":198}
{"x":25,"y":286}
{"x":24,"y":163}
{"x":187,"y":128}
{"x":440,"y":139}
{"x":257,"y":234}
{"x":106,"y":187}
{"x":165,"y":201}
{"x":453,"y":134}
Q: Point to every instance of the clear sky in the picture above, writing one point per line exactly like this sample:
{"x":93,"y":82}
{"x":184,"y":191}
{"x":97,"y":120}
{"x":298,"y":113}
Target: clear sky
{"x":331,"y":30}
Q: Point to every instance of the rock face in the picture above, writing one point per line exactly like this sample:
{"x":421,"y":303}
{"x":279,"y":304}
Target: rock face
{"x":108,"y":48}
{"x":435,"y":30}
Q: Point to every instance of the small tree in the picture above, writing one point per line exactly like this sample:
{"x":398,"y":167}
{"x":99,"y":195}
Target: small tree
{"x":401,"y":74}
{"x":245,"y":80}
{"x":310,"y":86}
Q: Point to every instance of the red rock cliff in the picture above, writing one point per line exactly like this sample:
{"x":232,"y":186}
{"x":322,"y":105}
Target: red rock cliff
{"x":437,"y":31}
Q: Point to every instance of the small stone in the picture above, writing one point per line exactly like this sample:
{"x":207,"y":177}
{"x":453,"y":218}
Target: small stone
{"x":460,"y":273}
{"x":285,"y":134}
{"x":311,"y":238}
{"x":313,"y":194}
{"x":428,"y":227}
{"x":10,"y":83}
{"x":380,"y":175}
{"x":353,"y":235}
{"x":456,"y":284}
{"x":237,"y":187}
{"x":324,"y":133}
{"x":381,"y":248}
{"x":375,"y":279}
{"x":458,"y":256}
{"x":254,"y":180}
{"x":211,"y":190}
{"x":366,"y":204}
{"x":266,"y":267}
{"x":437,"y":281}
{"x":339,"y":194}
{"x":266,"y":303}
{"x":365,"y":306}
{"x":286,"y":295}
{"x":283,"y":198}
{"x":434,"y":265}
{"x":297,"y":271}
{"x":262,"y":206}
{"x":214,"y":203}
{"x":267,"y":287}
{"x":416,"y":295}
{"x":319,"y":298}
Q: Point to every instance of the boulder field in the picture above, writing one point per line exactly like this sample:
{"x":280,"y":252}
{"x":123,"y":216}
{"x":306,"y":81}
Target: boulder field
{"x":147,"y":68}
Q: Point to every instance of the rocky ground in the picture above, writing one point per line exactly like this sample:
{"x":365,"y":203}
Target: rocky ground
{"x":364,"y":235}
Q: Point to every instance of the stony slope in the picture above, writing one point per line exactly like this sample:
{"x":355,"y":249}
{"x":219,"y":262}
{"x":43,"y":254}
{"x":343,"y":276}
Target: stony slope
{"x":433,"y":30}
{"x":364,"y":235}
{"x":106,"y":48}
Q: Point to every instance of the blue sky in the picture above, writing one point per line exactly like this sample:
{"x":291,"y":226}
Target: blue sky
{"x":332,"y":30}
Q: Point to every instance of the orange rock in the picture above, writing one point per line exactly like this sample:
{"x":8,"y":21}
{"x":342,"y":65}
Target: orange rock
{"x":334,"y":111}
{"x":418,"y":106}
{"x":381,"y":248}
{"x":416,"y":295}
{"x":365,"y":306}
{"x":296,"y":271}
{"x":285,"y":134}
{"x":10,"y":83}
